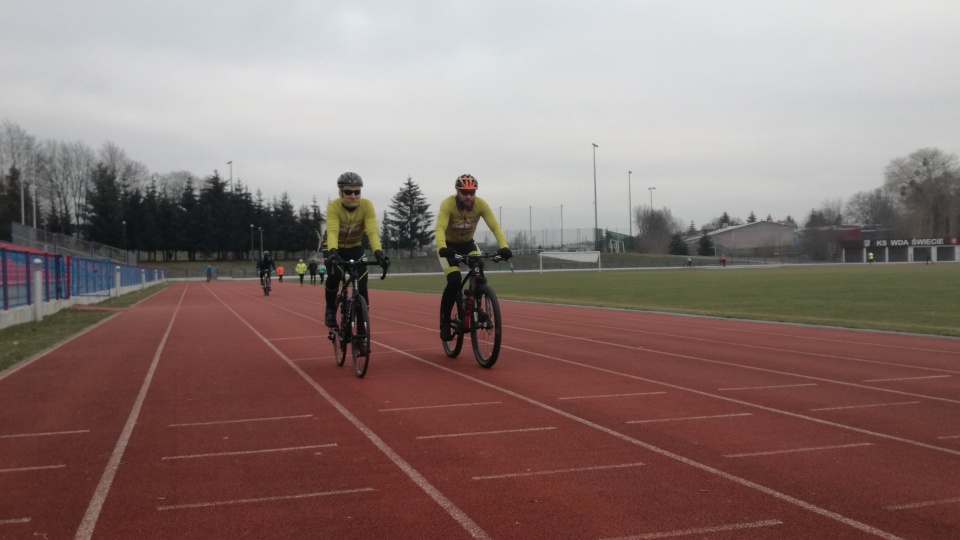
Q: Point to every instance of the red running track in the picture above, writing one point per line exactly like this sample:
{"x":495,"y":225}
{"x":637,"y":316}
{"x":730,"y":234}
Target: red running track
{"x":210,"y":411}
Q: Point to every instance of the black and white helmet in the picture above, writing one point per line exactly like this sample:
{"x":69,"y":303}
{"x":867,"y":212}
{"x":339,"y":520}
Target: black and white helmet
{"x":349,"y":179}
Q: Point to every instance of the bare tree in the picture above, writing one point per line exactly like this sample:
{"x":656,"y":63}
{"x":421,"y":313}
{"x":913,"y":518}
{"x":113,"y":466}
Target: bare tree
{"x":925,"y":184}
{"x":65,"y":172}
{"x":872,"y":208}
{"x":130,"y":174}
{"x":655,"y":228}
{"x":18,"y":150}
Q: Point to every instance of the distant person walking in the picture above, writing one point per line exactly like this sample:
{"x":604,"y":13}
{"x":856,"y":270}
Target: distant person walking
{"x":689,"y":262}
{"x":321,"y":270}
{"x":301,"y":269}
{"x":280,"y":274}
{"x":929,"y":259}
{"x":870,"y":257}
{"x":312,"y":268}
{"x":723,"y":261}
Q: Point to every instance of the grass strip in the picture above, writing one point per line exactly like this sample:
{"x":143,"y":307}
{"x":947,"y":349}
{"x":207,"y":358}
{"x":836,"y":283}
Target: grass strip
{"x":23,"y":341}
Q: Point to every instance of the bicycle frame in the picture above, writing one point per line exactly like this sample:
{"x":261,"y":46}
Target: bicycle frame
{"x":478,"y":313}
{"x":353,"y":327}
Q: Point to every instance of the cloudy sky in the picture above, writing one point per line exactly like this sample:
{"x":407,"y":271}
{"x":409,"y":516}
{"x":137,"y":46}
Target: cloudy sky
{"x":767,"y":106}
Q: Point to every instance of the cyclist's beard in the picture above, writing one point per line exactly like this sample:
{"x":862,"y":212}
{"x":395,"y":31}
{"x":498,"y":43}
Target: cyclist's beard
{"x":349,"y":204}
{"x":465,"y":205}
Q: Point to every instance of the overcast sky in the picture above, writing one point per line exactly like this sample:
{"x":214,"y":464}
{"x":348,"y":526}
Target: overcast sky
{"x":738,"y":106}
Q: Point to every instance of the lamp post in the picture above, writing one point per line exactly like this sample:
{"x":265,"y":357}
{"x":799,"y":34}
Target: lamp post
{"x":230,"y":163}
{"x":596,"y":233}
{"x":261,"y":241}
{"x":124,"y":222}
{"x":651,"y":197}
{"x":251,"y":241}
{"x":629,"y":204}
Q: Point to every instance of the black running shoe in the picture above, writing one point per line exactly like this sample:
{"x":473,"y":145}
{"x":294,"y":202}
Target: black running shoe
{"x":329,"y":319}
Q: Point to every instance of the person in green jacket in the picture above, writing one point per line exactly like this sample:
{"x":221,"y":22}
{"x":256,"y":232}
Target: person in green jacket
{"x":301,"y":269}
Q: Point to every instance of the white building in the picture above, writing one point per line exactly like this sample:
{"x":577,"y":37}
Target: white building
{"x":758,"y":238}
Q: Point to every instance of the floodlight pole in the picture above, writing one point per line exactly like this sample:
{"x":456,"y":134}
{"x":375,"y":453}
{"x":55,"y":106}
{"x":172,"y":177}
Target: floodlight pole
{"x":596,"y":227}
{"x":629,"y":204}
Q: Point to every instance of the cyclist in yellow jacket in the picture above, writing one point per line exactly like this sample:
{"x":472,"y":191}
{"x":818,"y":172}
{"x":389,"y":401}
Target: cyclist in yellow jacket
{"x":456,"y":225}
{"x":348,"y":219}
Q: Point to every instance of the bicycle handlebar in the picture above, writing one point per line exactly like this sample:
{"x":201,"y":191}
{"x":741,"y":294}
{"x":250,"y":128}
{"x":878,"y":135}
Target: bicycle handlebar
{"x":363,"y":262}
{"x":492,"y":256}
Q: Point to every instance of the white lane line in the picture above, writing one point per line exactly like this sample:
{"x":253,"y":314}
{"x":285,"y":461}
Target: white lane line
{"x":263,"y":499}
{"x":923,"y":504}
{"x":910,"y":378}
{"x":688,"y":418}
{"x":37,"y":468}
{"x":498,"y":432}
{"x":448,"y":506}
{"x":950,"y":437}
{"x":242,"y":420}
{"x":558,"y":471}
{"x":90,"y":517}
{"x":442,"y":406}
{"x":250,"y":452}
{"x":863,"y":527}
{"x":704,"y":530}
{"x":47,"y":434}
{"x":614,"y":395}
{"x":14,"y":521}
{"x":722,"y":397}
{"x":765,"y":387}
{"x":793,"y":450}
{"x":867,"y":406}
{"x":311,"y":358}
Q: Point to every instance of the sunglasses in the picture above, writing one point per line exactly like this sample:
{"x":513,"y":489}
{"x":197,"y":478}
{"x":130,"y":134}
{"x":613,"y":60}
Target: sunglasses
{"x":470,"y":192}
{"x":351,"y":192}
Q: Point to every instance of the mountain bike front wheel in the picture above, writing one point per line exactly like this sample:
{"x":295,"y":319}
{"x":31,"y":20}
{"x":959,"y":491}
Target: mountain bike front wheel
{"x":452,"y":347}
{"x":360,"y":336}
{"x":485,"y":328}
{"x":339,"y":340}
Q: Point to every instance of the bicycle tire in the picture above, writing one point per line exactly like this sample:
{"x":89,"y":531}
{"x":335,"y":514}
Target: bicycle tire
{"x":339,"y":339}
{"x":452,"y":348}
{"x":266,"y":286}
{"x":360,"y":336}
{"x":485,"y":329}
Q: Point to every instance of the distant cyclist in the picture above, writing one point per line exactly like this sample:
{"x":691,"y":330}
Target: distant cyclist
{"x":456,"y":225}
{"x":348,"y":219}
{"x":209,"y":272}
{"x":264,"y":266}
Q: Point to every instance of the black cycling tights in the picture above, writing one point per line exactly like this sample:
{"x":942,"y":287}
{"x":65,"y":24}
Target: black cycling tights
{"x":450,"y":292}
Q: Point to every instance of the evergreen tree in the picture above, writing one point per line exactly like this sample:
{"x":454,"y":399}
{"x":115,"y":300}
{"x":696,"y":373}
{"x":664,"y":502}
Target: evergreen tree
{"x":705,"y":246}
{"x":692,"y":229}
{"x":678,"y":246}
{"x":409,"y":218}
{"x":386,"y":234}
{"x":104,"y":209}
{"x":188,"y":226}
{"x":9,"y":202}
{"x":752,"y":218}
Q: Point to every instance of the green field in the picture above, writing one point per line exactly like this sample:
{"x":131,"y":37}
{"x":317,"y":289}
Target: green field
{"x":912,"y":298}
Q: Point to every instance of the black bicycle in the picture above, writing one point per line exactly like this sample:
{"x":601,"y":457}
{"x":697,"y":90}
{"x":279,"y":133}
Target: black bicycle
{"x":478,"y":312}
{"x":353,"y":317}
{"x":265,"y":283}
